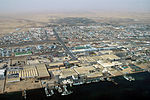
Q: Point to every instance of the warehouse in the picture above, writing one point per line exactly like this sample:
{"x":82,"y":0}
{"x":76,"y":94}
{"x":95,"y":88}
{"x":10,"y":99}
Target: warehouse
{"x":105,"y":63}
{"x":42,"y":71}
{"x":67,"y":73}
{"x":26,"y":72}
{"x":110,"y":57}
{"x":84,"y":70}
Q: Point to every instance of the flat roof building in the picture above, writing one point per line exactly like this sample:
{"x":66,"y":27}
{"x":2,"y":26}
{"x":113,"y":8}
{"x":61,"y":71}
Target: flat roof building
{"x":67,"y":72}
{"x":110,"y":57}
{"x":42,"y":71}
{"x":84,"y":70}
{"x":105,"y":63}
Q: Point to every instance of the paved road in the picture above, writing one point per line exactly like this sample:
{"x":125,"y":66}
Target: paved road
{"x":64,"y":46}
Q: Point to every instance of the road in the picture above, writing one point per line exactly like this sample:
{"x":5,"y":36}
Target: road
{"x":64,"y":46}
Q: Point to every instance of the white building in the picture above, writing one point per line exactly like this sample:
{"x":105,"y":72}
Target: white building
{"x":2,"y":72}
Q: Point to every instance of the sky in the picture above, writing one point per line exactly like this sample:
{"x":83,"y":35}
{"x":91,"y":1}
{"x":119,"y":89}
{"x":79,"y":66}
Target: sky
{"x":13,"y":6}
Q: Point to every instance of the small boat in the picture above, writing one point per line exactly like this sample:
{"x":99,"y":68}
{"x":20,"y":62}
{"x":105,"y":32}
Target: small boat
{"x":47,"y":92}
{"x":129,"y":78}
{"x":108,"y":79}
{"x":88,"y":82}
{"x":60,"y":90}
{"x":51,"y":92}
{"x":96,"y":80}
{"x":70,"y":85}
{"x":66,"y":92}
{"x":102,"y":79}
{"x":24,"y":94}
{"x":77,"y":83}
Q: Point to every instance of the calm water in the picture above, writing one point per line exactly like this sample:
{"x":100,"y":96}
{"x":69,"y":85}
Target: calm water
{"x":125,"y":90}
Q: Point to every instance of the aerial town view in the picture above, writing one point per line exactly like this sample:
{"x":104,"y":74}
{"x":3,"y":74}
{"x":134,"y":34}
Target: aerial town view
{"x":67,"y":52}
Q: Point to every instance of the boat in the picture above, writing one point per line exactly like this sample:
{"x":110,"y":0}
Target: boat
{"x":51,"y":92}
{"x":96,"y":80}
{"x":47,"y":92}
{"x":77,"y":83}
{"x":24,"y":94}
{"x":129,"y":78}
{"x":102,"y":79}
{"x":66,"y":92}
{"x":109,"y":79}
{"x":114,"y":82}
{"x":88,"y":82}
{"x":60,"y":90}
{"x":70,"y":85}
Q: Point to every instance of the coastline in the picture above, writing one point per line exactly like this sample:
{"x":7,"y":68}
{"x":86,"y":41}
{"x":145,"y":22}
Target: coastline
{"x":98,"y":87}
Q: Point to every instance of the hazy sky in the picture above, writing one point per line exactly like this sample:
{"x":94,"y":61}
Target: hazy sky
{"x":73,"y":5}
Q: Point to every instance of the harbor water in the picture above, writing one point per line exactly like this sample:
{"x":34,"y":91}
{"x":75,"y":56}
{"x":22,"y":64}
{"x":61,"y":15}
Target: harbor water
{"x":103,"y":90}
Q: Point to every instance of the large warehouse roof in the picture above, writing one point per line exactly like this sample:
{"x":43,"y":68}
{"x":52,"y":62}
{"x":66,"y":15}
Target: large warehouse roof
{"x":42,"y":70}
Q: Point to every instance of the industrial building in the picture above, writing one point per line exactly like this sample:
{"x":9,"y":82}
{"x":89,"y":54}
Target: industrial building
{"x":42,"y":71}
{"x":26,"y":72}
{"x":18,"y":61}
{"x":67,"y":72}
{"x":110,"y":57}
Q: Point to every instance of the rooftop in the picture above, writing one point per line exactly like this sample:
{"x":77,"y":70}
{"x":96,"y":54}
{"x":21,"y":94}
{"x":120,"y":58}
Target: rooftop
{"x":42,"y":70}
{"x":84,"y":70}
{"x":105,"y":63}
{"x":67,"y":72}
{"x":110,"y":57}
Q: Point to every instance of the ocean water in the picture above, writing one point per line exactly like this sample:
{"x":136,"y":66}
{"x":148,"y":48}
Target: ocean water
{"x":125,"y":90}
